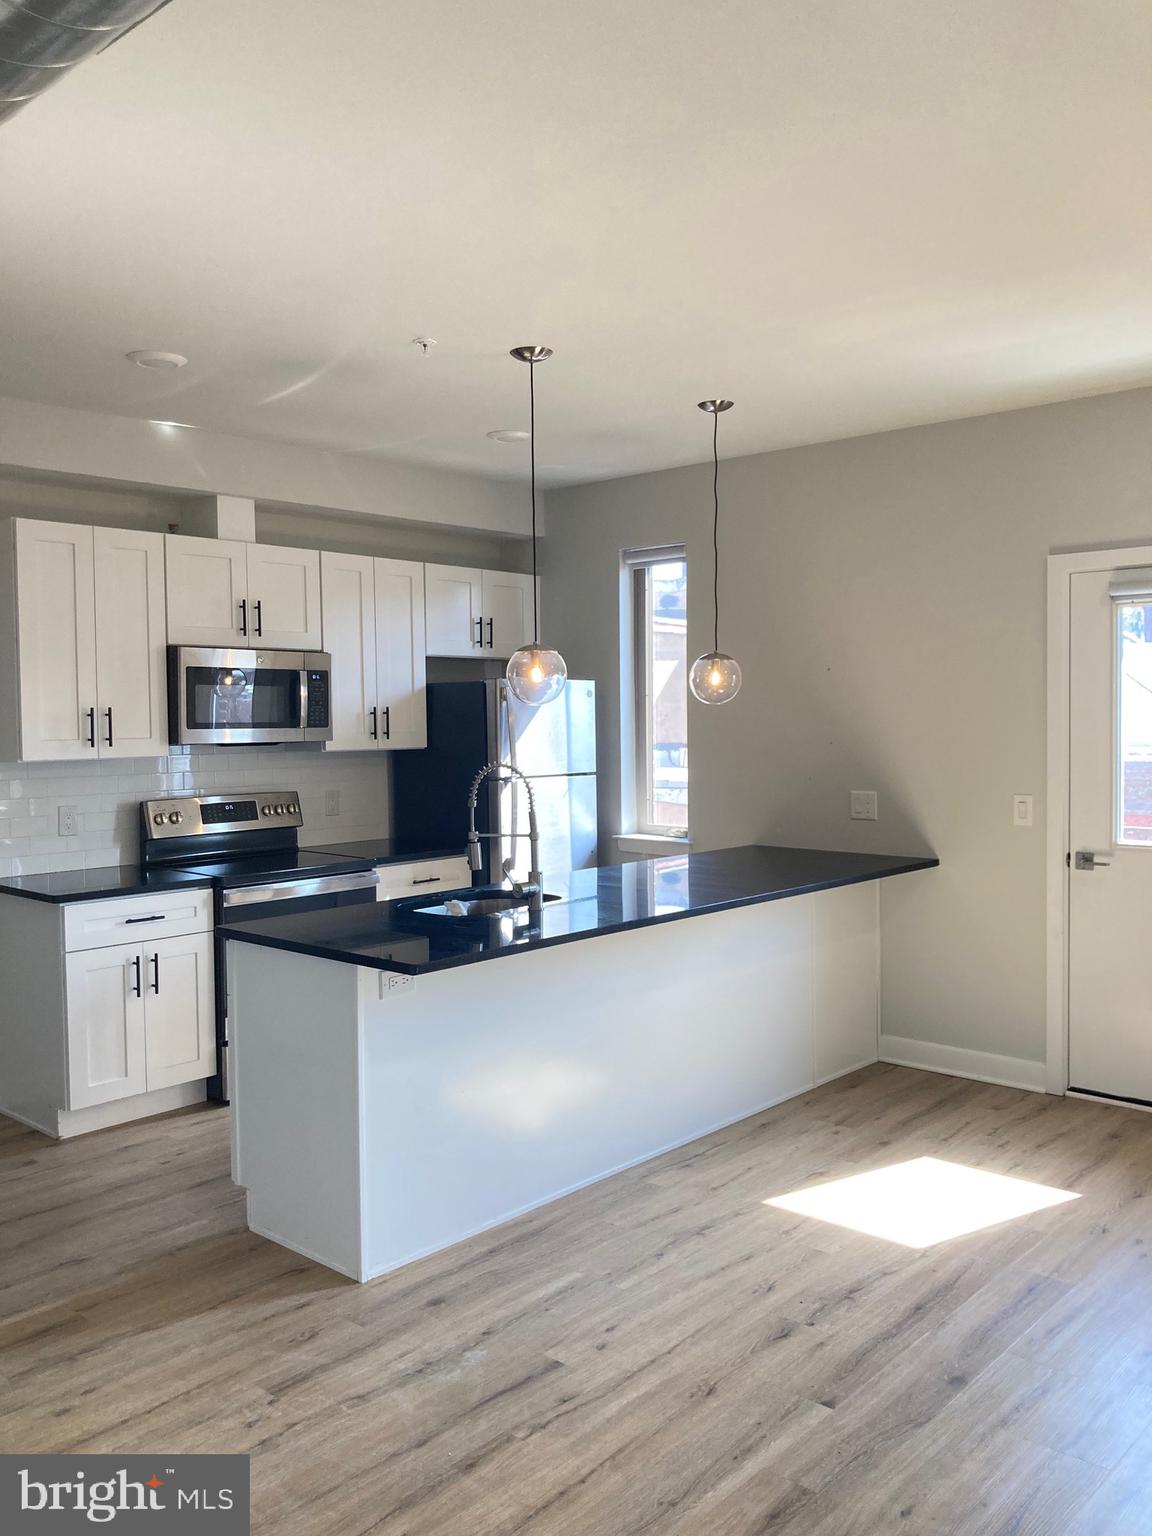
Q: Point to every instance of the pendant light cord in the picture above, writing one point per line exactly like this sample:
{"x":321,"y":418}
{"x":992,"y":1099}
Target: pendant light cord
{"x":715,"y":534}
{"x":532,"y":451}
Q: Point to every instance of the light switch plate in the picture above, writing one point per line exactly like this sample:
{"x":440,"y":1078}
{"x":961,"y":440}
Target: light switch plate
{"x":331,"y":802}
{"x":862,"y":805}
{"x":1022,"y":810}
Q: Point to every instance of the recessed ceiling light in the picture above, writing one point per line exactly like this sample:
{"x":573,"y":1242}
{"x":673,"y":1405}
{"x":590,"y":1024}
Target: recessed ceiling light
{"x":156,"y":359}
{"x":186,"y":426}
{"x":509,"y":435}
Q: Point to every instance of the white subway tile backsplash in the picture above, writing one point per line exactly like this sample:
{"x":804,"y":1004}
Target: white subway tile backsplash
{"x":107,"y":797}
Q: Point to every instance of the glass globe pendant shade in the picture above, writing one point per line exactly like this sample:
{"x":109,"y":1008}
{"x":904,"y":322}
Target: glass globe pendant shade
{"x":535,"y":674}
{"x":715,"y":678}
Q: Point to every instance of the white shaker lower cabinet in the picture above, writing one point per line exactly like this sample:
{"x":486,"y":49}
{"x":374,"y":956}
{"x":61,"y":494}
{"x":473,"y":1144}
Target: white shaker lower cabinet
{"x":82,"y":636}
{"x":107,"y":1012}
{"x":140,"y":1017}
{"x":374,"y":631}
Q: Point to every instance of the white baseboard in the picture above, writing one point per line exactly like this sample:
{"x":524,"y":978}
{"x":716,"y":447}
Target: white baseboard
{"x":956,"y":1061}
{"x":98,"y":1117}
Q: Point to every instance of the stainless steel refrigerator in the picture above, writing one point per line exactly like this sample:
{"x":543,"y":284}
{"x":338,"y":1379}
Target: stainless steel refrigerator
{"x":470,"y":724}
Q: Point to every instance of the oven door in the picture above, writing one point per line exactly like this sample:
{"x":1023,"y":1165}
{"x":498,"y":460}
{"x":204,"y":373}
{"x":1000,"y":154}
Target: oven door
{"x":234,"y":697}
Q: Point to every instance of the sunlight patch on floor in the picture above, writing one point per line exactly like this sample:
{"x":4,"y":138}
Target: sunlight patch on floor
{"x":922,"y":1202}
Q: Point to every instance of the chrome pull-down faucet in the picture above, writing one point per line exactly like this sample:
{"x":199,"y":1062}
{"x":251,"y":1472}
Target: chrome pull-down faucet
{"x":533,"y":887}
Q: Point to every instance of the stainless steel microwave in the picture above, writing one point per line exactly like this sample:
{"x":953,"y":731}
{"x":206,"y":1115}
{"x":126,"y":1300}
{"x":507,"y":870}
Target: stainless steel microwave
{"x":228,"y":698}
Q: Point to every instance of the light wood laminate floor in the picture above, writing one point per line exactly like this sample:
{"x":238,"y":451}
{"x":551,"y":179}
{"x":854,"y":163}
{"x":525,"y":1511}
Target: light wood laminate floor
{"x":661,"y":1353}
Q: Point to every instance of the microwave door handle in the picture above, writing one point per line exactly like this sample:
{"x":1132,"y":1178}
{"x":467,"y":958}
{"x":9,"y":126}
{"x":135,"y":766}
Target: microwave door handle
{"x":303,"y":700}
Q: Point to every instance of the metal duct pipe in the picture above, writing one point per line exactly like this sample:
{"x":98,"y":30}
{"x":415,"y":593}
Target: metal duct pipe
{"x":41,"y":40}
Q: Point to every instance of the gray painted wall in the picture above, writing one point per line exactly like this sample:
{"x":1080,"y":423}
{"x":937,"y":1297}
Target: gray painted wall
{"x":886,"y":597}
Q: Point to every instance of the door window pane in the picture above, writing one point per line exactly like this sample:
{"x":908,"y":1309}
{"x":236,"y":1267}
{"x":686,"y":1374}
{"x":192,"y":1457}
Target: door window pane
{"x":1134,"y":732}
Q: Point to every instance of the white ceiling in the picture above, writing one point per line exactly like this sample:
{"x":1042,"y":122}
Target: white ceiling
{"x":848,"y":215}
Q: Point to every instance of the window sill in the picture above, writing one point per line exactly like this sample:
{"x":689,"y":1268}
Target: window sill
{"x":651,"y":842}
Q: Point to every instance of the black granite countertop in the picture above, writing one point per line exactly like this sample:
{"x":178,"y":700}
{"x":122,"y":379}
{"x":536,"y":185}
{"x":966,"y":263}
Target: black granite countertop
{"x":389,"y":850}
{"x":395,"y":936}
{"x":65,"y":885}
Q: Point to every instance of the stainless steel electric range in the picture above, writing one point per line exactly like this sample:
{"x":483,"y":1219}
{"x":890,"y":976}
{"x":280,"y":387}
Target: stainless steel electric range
{"x":247,"y":843}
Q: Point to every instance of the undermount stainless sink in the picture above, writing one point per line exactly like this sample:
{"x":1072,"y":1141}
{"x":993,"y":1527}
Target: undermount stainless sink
{"x":507,"y":904}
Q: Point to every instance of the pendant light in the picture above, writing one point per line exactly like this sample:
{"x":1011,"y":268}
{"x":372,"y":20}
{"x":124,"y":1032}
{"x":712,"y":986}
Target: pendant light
{"x":715,"y":677}
{"x":535,"y":673}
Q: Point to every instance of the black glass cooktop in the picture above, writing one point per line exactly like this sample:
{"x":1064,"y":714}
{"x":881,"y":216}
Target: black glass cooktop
{"x":276,"y":864}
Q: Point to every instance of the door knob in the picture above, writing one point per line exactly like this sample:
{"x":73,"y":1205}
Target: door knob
{"x":1086,"y":859}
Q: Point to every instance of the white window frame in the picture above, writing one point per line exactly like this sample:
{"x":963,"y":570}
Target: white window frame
{"x":637,"y":685}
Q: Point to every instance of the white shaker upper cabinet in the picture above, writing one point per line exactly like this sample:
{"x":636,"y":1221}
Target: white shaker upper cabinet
{"x":348,"y":593}
{"x":454,"y":608}
{"x":224,"y":592}
{"x":284,"y":597}
{"x":400,"y":654}
{"x":207,"y":591}
{"x":374,"y":632}
{"x":52,"y":716}
{"x":130,"y":638}
{"x":507,"y":607}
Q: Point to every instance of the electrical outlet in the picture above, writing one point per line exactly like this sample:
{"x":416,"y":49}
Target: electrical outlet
{"x":331,"y":802}
{"x":862,"y":805}
{"x":68,"y":822}
{"x":391,"y":982}
{"x":1022,"y":810}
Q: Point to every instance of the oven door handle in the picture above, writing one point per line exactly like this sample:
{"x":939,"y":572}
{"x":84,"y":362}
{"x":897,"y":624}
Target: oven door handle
{"x":295,"y":890}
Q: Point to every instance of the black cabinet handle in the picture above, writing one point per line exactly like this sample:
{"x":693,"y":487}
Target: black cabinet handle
{"x":258,"y":608}
{"x":387,"y":723}
{"x":375,"y":723}
{"x":489,"y":634}
{"x":92,"y":727}
{"x":108,"y":712}
{"x":159,"y":918}
{"x":243,"y":615}
{"x":156,"y":974}
{"x":427,"y":880}
{"x":137,"y":988}
{"x":479,"y":631}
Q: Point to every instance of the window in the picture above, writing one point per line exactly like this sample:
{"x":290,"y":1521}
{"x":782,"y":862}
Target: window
{"x":1134,"y":722}
{"x":659,"y":597}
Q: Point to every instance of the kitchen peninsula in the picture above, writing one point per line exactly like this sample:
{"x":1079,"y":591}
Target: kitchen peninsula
{"x":395,"y":1091}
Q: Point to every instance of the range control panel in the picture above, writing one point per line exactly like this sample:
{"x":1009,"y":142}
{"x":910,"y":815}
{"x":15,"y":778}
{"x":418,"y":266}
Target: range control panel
{"x":186,"y":815}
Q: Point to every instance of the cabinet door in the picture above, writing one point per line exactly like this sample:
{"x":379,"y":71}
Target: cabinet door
{"x":130,"y":640}
{"x":400,"y":664}
{"x":507,"y":605}
{"x":56,"y":624}
{"x":105,"y":1001}
{"x":348,"y":602}
{"x":179,"y":1010}
{"x":284,"y":594}
{"x":207,"y":581}
{"x":452,"y":595}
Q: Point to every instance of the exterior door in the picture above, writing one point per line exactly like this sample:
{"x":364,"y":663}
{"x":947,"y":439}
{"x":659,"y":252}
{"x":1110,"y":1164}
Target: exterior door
{"x":180,"y":1023}
{"x":284,"y":597}
{"x":130,"y":639}
{"x":454,"y":610}
{"x":507,"y":608}
{"x":207,"y":591}
{"x":400,"y":654}
{"x":1110,"y":834}
{"x":56,"y":623}
{"x":348,"y":592}
{"x":106,"y":1057}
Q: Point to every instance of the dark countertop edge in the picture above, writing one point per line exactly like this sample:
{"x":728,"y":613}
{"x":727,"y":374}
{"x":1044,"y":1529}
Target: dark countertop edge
{"x":300,"y":947}
{"x":382,"y":860}
{"x":8,"y":887}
